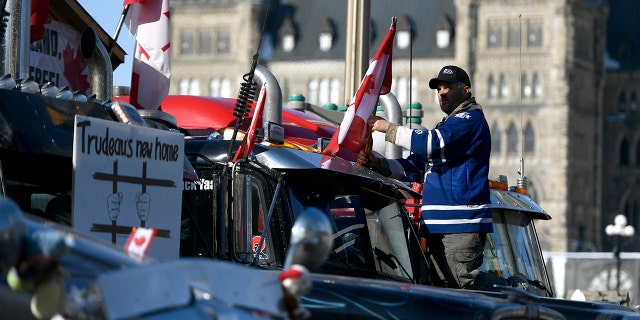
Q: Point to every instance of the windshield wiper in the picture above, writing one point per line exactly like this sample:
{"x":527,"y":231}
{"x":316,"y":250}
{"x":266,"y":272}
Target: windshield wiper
{"x":387,"y":258}
{"x":538,"y":284}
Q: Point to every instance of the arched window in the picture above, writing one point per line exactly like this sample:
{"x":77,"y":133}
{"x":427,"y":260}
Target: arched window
{"x":633,"y":103}
{"x":188,"y":42}
{"x":184,"y":86}
{"x":403,"y":33}
{"x":504,"y":88}
{"x":205,"y":41}
{"x":214,"y":87}
{"x":444,"y":32}
{"x":335,"y":91}
{"x":537,"y":86}
{"x":325,"y":41}
{"x":415,"y":85}
{"x":529,"y":139}
{"x":194,"y":87}
{"x":496,"y":138}
{"x":622,"y":103}
{"x":493,"y":89}
{"x":623,"y":161}
{"x":288,"y":34}
{"x":225,"y":88}
{"x":513,"y":34}
{"x":402,"y":91}
{"x":494,"y":39}
{"x":325,"y":35}
{"x":288,"y":42}
{"x":512,"y":139}
{"x":313,"y":92}
{"x":526,"y":86}
{"x":534,"y":36}
{"x":323,"y":95}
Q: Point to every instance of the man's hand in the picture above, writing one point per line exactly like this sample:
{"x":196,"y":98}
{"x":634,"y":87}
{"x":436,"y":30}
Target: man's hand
{"x":368,"y":159}
{"x":378,"y":124}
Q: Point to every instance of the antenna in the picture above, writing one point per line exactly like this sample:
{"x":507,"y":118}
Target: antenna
{"x":247,"y":87}
{"x":410,"y":73}
{"x":112,"y":44}
{"x":522,"y":181}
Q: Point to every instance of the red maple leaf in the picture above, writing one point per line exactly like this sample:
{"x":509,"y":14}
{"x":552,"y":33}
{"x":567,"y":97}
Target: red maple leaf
{"x":74,"y":65}
{"x":139,"y":240}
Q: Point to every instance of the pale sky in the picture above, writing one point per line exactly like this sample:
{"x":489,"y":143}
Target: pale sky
{"x":107,"y":14}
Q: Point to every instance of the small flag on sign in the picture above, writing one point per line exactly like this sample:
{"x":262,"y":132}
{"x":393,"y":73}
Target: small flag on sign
{"x":139,"y":242}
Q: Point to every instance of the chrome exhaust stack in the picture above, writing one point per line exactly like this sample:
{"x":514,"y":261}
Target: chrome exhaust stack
{"x":15,"y":48}
{"x":393,"y":113}
{"x":272,"y":117}
{"x":100,"y":68}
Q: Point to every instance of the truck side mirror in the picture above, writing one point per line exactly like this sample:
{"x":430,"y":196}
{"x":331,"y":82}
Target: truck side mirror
{"x":311,"y":240}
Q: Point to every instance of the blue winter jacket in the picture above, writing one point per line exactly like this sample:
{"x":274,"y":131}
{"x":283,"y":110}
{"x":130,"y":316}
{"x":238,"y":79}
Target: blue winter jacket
{"x":453,"y":161}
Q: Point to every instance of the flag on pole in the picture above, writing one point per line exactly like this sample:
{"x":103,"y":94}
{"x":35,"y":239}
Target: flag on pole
{"x":139,"y":242}
{"x":353,"y":131}
{"x":249,"y":139}
{"x":39,"y":17}
{"x":148,"y":21}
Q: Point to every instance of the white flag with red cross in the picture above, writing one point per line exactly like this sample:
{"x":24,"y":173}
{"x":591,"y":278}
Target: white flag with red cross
{"x":149,"y":22}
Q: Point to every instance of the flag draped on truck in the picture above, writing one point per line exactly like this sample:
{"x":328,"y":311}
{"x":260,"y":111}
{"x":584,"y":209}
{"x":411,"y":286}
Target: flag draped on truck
{"x":149,"y":22}
{"x":351,"y":136}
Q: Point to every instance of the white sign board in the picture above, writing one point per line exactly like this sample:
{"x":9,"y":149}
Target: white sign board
{"x":127,"y":176}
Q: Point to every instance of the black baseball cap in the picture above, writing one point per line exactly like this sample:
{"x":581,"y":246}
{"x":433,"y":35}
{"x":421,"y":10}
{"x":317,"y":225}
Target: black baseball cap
{"x":450,"y":74}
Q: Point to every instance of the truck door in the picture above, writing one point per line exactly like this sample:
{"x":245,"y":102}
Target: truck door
{"x":254,"y":231}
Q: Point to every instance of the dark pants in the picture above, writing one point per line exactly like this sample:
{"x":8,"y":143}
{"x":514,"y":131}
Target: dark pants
{"x":455,"y":261}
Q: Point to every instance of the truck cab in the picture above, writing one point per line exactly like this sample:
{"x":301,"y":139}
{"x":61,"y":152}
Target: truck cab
{"x":373,"y":233}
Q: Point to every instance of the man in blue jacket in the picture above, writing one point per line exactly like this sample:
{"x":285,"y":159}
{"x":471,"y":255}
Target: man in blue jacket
{"x":452,"y":161}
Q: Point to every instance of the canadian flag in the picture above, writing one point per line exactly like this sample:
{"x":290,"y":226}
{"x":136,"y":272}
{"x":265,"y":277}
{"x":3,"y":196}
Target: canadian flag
{"x":148,"y":21}
{"x":39,"y":17}
{"x":250,"y":137}
{"x":139,"y":242}
{"x":353,"y":131}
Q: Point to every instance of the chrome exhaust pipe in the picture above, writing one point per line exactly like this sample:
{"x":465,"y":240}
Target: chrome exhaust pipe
{"x":393,"y":113}
{"x":273,"y":105}
{"x":15,"y":49}
{"x":100,"y":68}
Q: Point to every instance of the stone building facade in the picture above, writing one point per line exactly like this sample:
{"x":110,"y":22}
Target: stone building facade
{"x":537,"y":66}
{"x":213,"y":45}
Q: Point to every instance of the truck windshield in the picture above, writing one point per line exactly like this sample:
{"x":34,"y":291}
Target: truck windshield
{"x":367,"y":241}
{"x":513,"y":248}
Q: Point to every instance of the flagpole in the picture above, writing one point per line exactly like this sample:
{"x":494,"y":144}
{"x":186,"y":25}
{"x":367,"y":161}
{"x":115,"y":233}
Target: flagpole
{"x":369,"y":146}
{"x":125,"y":9}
